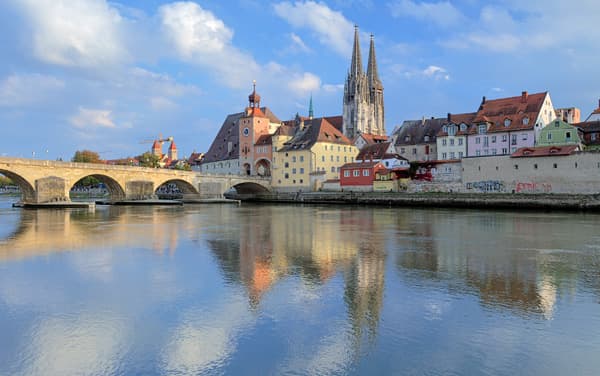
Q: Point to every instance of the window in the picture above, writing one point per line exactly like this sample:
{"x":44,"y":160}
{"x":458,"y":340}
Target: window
{"x":426,"y":138}
{"x":345,"y":159}
{"x":513,"y":139}
{"x":322,"y":158}
{"x":460,"y":141}
{"x":478,"y":140}
{"x":556,"y":124}
{"x":506,"y":122}
{"x":293,"y":171}
{"x":402,"y":150}
{"x":301,"y":181}
{"x":478,"y":153}
{"x":568,"y":136}
{"x":516,"y":167}
{"x":452,"y":155}
{"x":346,"y":173}
{"x":482,"y":128}
{"x":325,"y":147}
{"x":535,"y":166}
{"x":494,"y":152}
{"x":333,"y":169}
{"x":524,"y":136}
{"x":513,"y":150}
{"x":504,"y":138}
{"x":451,"y":142}
{"x":366,"y":172}
{"x":555,"y":165}
{"x":294,"y":159}
{"x":356,"y":173}
{"x":452,"y":130}
{"x":593,"y":136}
{"x":331,"y":158}
{"x":301,"y":170}
{"x":525,"y":120}
{"x":301,"y":158}
{"x":287,"y":176}
{"x":443,"y":155}
{"x":504,"y":150}
{"x":414,"y":151}
{"x":549,"y":136}
{"x":493,"y":139}
{"x":286,"y":165}
{"x":443,"y":141}
{"x":337,"y":158}
{"x":486,"y":141}
{"x":460,"y":154}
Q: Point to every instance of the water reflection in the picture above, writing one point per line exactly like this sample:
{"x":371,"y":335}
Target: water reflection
{"x":289,"y":289}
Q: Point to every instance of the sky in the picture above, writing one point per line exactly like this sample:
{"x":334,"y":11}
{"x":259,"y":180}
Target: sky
{"x":111,"y":76}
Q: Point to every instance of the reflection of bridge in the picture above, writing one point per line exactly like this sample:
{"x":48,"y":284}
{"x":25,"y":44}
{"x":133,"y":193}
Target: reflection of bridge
{"x":49,"y":181}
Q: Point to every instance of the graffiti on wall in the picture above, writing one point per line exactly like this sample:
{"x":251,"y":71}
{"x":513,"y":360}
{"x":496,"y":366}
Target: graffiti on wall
{"x":487,"y":186}
{"x":527,"y":187}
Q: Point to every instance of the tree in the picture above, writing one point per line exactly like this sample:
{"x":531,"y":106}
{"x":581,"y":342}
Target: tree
{"x":4,"y":181}
{"x":149,"y":160}
{"x":86,"y":156}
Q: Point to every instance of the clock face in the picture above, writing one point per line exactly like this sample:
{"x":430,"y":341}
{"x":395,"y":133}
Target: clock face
{"x":246,"y":131}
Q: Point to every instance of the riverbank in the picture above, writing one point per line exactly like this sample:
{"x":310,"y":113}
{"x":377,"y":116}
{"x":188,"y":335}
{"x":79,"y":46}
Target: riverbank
{"x":445,"y":200}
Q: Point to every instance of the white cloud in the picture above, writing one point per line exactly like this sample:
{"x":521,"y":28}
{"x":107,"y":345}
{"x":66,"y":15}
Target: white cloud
{"x":436,"y":73}
{"x":304,"y":83}
{"x":201,"y":38}
{"x":298,"y":44}
{"x":333,"y":88}
{"x":25,"y":89}
{"x":85,"y":33}
{"x":442,"y":13}
{"x":87,"y":117}
{"x":162,"y":103}
{"x":331,"y":28}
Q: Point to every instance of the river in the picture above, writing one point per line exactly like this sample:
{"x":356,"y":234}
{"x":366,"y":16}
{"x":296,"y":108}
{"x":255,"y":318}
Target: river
{"x":298,"y":290}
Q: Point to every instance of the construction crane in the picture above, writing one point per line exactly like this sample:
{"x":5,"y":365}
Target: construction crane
{"x":160,"y":140}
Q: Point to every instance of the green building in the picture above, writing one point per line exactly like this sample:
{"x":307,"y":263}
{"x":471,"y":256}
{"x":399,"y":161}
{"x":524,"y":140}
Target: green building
{"x":558,"y":132}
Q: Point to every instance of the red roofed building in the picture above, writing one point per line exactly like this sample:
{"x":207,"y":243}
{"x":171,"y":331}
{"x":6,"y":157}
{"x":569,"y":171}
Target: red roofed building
{"x":501,"y":126}
{"x":359,"y":176}
{"x":545,"y":151}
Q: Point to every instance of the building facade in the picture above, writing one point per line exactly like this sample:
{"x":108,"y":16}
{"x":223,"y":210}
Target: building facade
{"x":415,"y":140}
{"x":363,"y":108}
{"x":316,"y":146}
{"x":501,"y":126}
{"x":451,"y":140}
{"x":558,"y":132}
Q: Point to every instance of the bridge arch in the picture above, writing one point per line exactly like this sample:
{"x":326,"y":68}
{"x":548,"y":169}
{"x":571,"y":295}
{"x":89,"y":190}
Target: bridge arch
{"x":249,"y":188}
{"x":115,"y":189}
{"x":263,"y":167}
{"x":27,"y":189}
{"x":175,"y":187}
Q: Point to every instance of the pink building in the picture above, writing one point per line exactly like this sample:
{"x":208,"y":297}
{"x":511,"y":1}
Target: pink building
{"x":501,"y":126}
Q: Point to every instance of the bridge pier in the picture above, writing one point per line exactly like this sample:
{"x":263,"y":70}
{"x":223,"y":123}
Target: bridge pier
{"x":139,"y":190}
{"x":50,"y":189}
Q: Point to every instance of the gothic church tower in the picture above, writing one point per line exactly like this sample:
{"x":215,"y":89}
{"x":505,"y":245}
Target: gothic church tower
{"x":363,"y":95}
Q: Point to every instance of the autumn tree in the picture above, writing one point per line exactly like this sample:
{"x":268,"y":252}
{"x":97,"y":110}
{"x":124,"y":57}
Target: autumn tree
{"x":149,"y":159}
{"x":86,"y":156}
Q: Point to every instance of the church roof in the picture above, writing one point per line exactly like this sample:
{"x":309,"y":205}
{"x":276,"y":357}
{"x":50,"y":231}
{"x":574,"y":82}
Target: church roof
{"x":229,"y":132}
{"x":374,"y":151}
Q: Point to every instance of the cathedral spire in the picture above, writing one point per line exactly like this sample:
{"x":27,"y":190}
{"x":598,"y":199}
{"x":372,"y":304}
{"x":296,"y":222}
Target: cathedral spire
{"x":310,"y":108}
{"x":356,"y":67}
{"x":372,"y":74}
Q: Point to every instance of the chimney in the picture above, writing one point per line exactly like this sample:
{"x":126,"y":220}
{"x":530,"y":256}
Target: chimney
{"x":598,"y":103}
{"x":301,"y":125}
{"x":449,"y":117}
{"x":423,"y":120}
{"x":524,"y":96}
{"x":483,"y":100}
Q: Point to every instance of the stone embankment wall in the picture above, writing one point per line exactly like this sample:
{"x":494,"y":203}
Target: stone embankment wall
{"x":449,"y":200}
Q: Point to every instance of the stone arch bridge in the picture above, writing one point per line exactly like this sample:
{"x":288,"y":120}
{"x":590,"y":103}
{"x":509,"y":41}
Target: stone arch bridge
{"x":43,"y":181}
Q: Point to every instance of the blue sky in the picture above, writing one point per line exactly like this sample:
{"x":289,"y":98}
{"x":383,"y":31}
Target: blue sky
{"x":106,"y":76}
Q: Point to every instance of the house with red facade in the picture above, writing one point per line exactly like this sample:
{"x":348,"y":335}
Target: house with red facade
{"x":359,"y":176}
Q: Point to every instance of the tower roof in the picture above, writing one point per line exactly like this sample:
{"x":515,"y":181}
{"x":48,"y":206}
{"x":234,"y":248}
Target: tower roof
{"x":156,"y":145}
{"x":172,"y":146}
{"x":356,"y":65}
{"x":310,"y":108}
{"x":254,"y":98}
{"x":372,"y":73}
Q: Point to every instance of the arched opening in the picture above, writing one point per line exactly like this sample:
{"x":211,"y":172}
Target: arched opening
{"x":17,"y":185}
{"x":247,"y":169}
{"x":249,"y":188}
{"x":263,"y":167}
{"x":175,"y":190}
{"x":96,"y":186}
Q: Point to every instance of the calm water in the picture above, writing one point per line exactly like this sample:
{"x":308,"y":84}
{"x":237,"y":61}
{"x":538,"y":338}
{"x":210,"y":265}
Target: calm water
{"x":269,"y":290}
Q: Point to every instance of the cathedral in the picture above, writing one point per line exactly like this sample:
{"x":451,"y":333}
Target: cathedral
{"x":363,"y":95}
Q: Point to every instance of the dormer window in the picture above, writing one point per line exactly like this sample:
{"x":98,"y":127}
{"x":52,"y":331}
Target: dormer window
{"x":525,"y":120}
{"x":407,"y":138}
{"x":445,"y":128}
{"x":507,"y":122}
{"x":452,"y":130}
{"x":556,"y":124}
{"x":426,"y":138}
{"x":482,"y":128}
{"x":463,"y":127}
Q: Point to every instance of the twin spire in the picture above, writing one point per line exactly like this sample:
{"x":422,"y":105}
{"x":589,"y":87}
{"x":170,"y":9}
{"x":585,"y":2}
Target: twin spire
{"x":356,"y":67}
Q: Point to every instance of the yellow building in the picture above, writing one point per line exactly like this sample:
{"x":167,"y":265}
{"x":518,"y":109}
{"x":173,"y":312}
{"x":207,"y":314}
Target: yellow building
{"x":312,"y":145}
